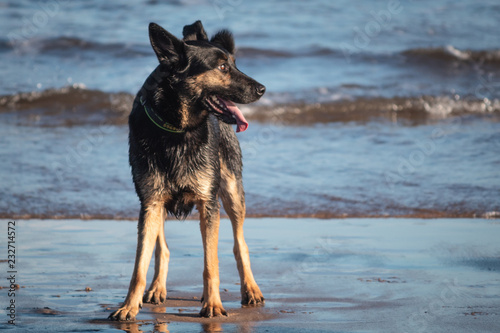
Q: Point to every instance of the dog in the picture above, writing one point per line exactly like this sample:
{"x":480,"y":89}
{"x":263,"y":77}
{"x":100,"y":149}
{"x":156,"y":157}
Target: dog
{"x":183,"y":153}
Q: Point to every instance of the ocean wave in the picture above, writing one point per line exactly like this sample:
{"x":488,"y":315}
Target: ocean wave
{"x":64,"y":46}
{"x":416,"y":110}
{"x":76,"y":105}
{"x":450,"y":53}
{"x":68,"y":106}
{"x":446,"y":53}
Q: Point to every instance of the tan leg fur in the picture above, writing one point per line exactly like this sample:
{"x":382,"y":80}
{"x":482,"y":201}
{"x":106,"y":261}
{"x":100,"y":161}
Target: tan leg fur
{"x":209,"y":225}
{"x":234,"y":203}
{"x":157,"y":292}
{"x":150,"y":225}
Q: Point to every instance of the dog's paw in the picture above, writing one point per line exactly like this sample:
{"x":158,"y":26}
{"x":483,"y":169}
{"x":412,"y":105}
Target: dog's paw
{"x":155,"y":295}
{"x":212,"y":310}
{"x":251,"y":295}
{"x":126,"y":312}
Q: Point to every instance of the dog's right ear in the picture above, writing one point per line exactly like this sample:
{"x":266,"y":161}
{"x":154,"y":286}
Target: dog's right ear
{"x":194,"y":31}
{"x":169,"y":50}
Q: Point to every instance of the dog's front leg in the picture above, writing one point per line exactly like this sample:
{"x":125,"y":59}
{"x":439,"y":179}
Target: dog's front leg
{"x":157,"y":292}
{"x":233,"y":199}
{"x":209,"y":224}
{"x":150,"y":220}
{"x":250,"y":292}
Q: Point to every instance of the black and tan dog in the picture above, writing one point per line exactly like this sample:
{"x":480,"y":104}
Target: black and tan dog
{"x":183,"y":153}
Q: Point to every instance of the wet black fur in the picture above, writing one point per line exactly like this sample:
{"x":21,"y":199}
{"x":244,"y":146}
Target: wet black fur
{"x":163,"y":163}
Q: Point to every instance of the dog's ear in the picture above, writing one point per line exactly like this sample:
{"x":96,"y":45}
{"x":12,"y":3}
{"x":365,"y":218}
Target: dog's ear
{"x":194,"y":31}
{"x":169,"y":50}
{"x":224,"y":39}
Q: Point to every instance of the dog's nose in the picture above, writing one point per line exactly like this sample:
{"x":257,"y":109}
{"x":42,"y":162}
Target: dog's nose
{"x":260,"y":89}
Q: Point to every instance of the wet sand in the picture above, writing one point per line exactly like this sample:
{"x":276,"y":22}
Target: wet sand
{"x":343,"y":275}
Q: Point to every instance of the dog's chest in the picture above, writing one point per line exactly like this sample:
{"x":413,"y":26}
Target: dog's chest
{"x":190,"y":171}
{"x":188,"y":182}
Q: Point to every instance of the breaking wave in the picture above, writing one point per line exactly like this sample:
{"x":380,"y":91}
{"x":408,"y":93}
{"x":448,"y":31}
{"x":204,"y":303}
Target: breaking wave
{"x":450,"y":53}
{"x":76,"y":105}
{"x":68,"y":106}
{"x":414,"y":109}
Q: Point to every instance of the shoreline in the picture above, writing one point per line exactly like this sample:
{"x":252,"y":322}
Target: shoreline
{"x":493,"y":215}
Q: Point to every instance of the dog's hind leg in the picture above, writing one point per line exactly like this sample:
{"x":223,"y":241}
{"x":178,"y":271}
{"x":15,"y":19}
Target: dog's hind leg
{"x":150,"y":220}
{"x":233,"y":200}
{"x":157,"y":292}
{"x":209,"y":225}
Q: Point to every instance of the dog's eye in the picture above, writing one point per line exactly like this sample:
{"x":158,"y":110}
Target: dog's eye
{"x":224,"y":68}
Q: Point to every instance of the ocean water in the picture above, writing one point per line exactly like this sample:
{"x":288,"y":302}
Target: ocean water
{"x":373,"y":108}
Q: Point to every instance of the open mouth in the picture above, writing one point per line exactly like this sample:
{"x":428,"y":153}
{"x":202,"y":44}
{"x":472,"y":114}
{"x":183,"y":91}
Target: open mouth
{"x":227,"y":111}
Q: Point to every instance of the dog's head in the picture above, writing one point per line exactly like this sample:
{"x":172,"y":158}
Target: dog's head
{"x":205,"y":71}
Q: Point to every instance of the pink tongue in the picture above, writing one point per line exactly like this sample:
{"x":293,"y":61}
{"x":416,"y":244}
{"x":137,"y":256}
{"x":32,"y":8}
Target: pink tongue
{"x":240,"y":119}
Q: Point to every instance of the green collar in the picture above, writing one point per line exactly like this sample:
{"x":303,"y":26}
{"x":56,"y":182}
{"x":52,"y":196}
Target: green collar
{"x":158,"y":121}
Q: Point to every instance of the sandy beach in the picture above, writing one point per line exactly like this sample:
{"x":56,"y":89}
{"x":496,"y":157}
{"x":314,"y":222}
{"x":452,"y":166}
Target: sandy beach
{"x":345,"y":275}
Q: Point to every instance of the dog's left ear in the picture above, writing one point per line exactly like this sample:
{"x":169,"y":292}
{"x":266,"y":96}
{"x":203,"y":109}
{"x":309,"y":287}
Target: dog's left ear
{"x":224,"y":39}
{"x":194,"y":31}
